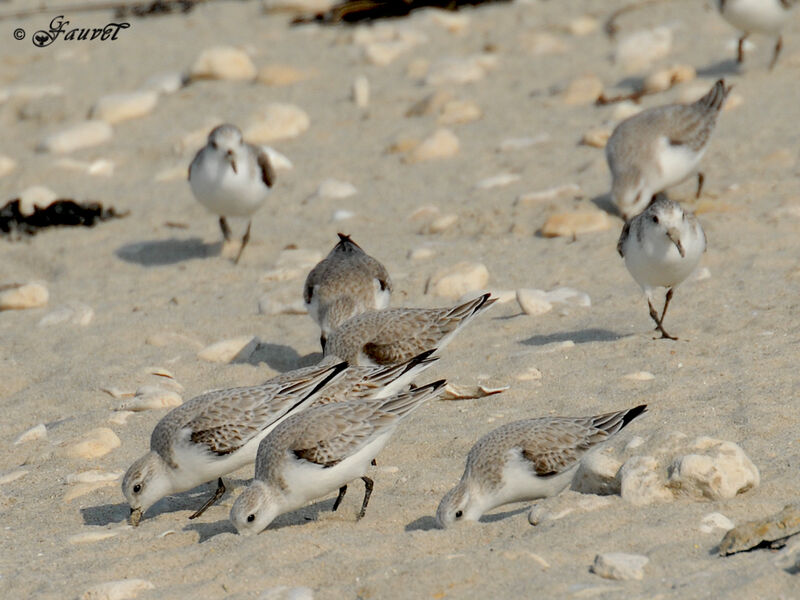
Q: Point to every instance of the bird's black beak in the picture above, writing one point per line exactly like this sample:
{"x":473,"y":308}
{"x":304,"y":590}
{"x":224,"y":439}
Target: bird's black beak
{"x":232,"y":158}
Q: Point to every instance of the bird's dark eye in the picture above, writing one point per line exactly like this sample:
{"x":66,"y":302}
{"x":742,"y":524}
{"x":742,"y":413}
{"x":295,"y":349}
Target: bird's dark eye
{"x":459,"y":514}
{"x":214,"y":145}
{"x":655,"y":219}
{"x":137,"y":488}
{"x":251,"y":518}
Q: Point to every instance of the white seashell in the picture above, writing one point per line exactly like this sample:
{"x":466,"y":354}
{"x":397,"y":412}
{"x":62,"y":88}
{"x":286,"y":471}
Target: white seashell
{"x":640,"y":376}
{"x":165,"y":83}
{"x":457,"y":280}
{"x":13,"y":476}
{"x":75,"y":314}
{"x":569,"y":190}
{"x":334,"y":189}
{"x":82,"y":489}
{"x":37,"y":432}
{"x":360,"y":91}
{"x":499,"y":180}
{"x":93,"y":476}
{"x":443,"y":143}
{"x":117,"y":590}
{"x":7,"y":164}
{"x":223,"y":62}
{"x":520,"y":143}
{"x":120,"y":417}
{"x":533,"y":302}
{"x":115,"y":108}
{"x":75,"y":137}
{"x":37,"y":196}
{"x":22,"y":296}
{"x":96,"y":443}
{"x":463,"y":392}
{"x":276,"y":121}
{"x":151,"y":397}
{"x":94,"y":536}
{"x":226,"y":351}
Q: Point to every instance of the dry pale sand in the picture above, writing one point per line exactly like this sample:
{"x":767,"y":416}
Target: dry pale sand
{"x":734,"y":376}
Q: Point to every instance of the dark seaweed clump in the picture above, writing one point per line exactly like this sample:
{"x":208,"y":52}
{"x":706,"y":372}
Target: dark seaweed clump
{"x":63,"y":212}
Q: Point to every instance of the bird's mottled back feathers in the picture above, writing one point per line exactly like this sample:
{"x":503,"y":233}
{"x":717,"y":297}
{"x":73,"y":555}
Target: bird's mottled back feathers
{"x":225,"y":420}
{"x":552,"y":445}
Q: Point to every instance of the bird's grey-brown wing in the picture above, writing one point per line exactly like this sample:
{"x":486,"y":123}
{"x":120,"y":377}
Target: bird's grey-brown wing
{"x":692,"y":124}
{"x":405,"y":333}
{"x":623,"y":236}
{"x":264,"y":165}
{"x":312,"y":279}
{"x":225,"y":420}
{"x":557,"y":446}
{"x":336,"y":431}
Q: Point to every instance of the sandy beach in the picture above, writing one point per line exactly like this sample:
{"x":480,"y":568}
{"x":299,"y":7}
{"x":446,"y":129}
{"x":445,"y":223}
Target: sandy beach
{"x":149,"y":292}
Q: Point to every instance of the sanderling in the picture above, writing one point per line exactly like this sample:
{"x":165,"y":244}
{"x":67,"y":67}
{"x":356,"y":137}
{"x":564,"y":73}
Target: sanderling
{"x":344,"y":284}
{"x":757,"y":16}
{"x":321,"y":450}
{"x":661,"y":247}
{"x":526,"y":460}
{"x":393,"y":335}
{"x":231,"y":178}
{"x":214,"y":434}
{"x":219,"y":431}
{"x":660,"y":147}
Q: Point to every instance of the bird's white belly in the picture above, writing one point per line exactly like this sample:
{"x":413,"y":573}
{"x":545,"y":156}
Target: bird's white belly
{"x":197,"y":466}
{"x":659,"y":264}
{"x":224,"y":192}
{"x":313,"y":306}
{"x":381,"y":297}
{"x":675,"y":163}
{"x":519,"y":483}
{"x":307,"y":481}
{"x":756,"y":16}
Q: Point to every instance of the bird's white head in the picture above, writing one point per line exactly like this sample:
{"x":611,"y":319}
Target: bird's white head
{"x":667,"y":217}
{"x":629,"y":194}
{"x":227,"y":139}
{"x":255,"y":508}
{"x":145,"y":483}
{"x":457,"y":505}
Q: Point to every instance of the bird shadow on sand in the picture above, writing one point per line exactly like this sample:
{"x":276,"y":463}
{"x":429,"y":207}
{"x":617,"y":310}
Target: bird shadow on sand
{"x":154,"y":253}
{"x":422,"y":524}
{"x":429,"y":523}
{"x":207,"y":530}
{"x":604,"y":203}
{"x":728,"y":66}
{"x":279,"y":357}
{"x":105,"y":514}
{"x":582,"y":336}
{"x":501,"y":516}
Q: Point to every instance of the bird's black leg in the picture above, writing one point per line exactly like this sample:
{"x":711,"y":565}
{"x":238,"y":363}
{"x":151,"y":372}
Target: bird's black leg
{"x":210,"y":502}
{"x":740,"y":51}
{"x":368,"y":485}
{"x":701,"y":179}
{"x":245,"y":239}
{"x":778,"y":46}
{"x":664,"y":334}
{"x":339,"y":498}
{"x":226,"y":231}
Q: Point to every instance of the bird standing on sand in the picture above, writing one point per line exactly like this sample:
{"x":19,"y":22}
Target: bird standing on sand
{"x":661,"y":247}
{"x":344,"y":284}
{"x":231,"y":178}
{"x":660,"y":147}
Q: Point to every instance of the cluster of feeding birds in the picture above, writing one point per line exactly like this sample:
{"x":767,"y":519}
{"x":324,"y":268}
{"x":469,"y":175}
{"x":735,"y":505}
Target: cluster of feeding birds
{"x":313,"y":430}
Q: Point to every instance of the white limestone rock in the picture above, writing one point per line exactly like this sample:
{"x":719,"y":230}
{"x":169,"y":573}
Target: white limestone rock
{"x":621,"y":566}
